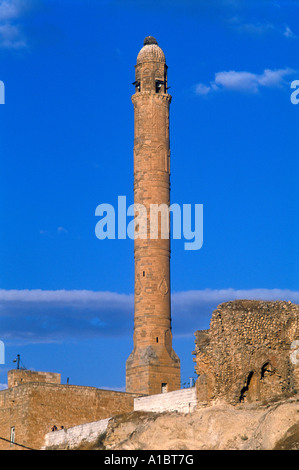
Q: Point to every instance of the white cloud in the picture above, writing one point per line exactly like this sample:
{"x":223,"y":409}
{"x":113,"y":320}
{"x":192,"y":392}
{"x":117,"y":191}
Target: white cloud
{"x":257,"y":28}
{"x":192,"y":310}
{"x":245,"y":81}
{"x":44,"y":316}
{"x":61,"y":230}
{"x":10,"y":9}
{"x":202,"y":89}
{"x":236,"y":80}
{"x":64,"y":297}
{"x":206,"y":296}
{"x":11,"y":36}
{"x":41,"y":316}
{"x":288,"y":33}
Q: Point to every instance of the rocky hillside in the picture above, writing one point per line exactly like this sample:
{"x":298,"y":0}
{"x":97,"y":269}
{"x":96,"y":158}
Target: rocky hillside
{"x":270,"y":426}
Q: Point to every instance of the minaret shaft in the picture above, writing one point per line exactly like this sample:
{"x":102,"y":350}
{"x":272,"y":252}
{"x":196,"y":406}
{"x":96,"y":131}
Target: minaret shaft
{"x":153,"y":366}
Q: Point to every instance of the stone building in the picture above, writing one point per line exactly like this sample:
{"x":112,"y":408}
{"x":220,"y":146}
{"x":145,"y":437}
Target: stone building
{"x":34,"y":402}
{"x":250,"y":352}
{"x":153,"y":366}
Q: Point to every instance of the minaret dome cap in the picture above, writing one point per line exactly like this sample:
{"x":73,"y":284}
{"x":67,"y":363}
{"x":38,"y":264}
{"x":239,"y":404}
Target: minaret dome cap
{"x":150,"y":40}
{"x":150,"y":52}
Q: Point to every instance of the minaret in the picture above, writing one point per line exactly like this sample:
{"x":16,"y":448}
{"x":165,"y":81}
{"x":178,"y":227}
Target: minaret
{"x":153,"y":366}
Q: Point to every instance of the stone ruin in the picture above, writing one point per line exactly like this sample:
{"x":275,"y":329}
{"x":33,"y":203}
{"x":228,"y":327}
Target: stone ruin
{"x":250,"y":352}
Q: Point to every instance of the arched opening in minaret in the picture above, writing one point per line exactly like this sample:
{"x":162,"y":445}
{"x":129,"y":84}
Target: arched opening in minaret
{"x":160,"y":86}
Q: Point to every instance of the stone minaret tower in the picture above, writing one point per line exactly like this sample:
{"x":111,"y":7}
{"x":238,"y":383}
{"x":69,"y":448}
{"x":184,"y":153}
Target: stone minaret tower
{"x":153,"y":366}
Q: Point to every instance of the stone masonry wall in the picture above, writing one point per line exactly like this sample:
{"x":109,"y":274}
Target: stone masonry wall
{"x":249,"y":353}
{"x":183,"y":401}
{"x":72,"y":437}
{"x":20,"y":376}
{"x":33,"y":408}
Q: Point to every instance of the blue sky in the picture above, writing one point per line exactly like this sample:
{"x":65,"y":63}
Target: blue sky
{"x":66,"y":146}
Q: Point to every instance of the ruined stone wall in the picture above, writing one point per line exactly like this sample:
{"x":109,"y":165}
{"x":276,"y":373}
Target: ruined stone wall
{"x":33,"y":408}
{"x":249,"y":353}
